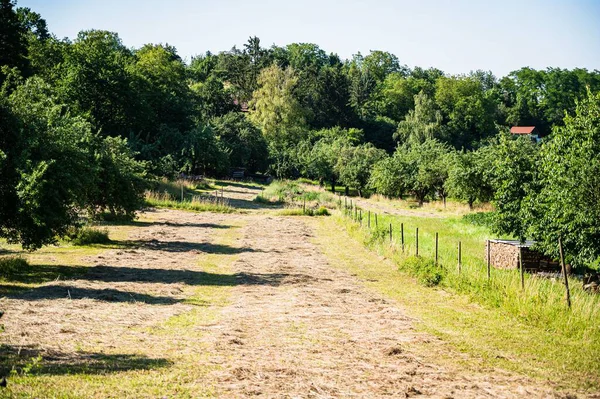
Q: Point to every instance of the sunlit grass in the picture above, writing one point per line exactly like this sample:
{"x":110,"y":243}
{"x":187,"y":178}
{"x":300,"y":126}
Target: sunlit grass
{"x":195,"y":204}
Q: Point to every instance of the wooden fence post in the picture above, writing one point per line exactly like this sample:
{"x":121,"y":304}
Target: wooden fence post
{"x":376,"y":224}
{"x":436,"y":249}
{"x":182,"y":192}
{"x":402,"y":235}
{"x":489,"y":270}
{"x":564,"y":271}
{"x":459,"y":258}
{"x":360,"y":216}
{"x":369,"y":219}
{"x":304,"y":206}
{"x":417,"y":243}
{"x":390,"y":233}
{"x":521,"y":268}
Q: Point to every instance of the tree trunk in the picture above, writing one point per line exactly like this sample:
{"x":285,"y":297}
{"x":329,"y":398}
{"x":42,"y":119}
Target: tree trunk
{"x":333,"y":186}
{"x":347,"y":191}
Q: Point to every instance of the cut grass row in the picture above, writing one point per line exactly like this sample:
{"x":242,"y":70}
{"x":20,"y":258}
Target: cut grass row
{"x":96,"y":371}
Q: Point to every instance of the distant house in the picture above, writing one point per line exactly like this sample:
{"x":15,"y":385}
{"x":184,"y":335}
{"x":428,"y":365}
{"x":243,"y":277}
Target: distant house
{"x":526,"y":131}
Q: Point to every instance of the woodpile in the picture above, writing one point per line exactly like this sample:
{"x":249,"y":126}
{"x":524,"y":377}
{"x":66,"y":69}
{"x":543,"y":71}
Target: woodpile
{"x":504,"y":254}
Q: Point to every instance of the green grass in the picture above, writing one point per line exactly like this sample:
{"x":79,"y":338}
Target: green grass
{"x":89,"y":236}
{"x":196,"y":204}
{"x":559,"y":338}
{"x":322,"y":211}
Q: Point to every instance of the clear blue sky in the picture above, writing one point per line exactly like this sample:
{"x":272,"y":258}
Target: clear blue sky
{"x":456,"y":36}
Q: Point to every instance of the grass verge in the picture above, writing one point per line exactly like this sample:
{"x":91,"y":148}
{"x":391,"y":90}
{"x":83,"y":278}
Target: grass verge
{"x":528,"y":331}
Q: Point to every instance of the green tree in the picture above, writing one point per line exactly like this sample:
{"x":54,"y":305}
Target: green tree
{"x":274,"y":107}
{"x":388,"y":177}
{"x":45,"y":163}
{"x":354,"y":165}
{"x":120,"y":180}
{"x":422,"y":123}
{"x":244,"y":143}
{"x":468,"y":177}
{"x":203,"y":154}
{"x":13,"y":42}
{"x":568,"y":203}
{"x":469,"y":112}
{"x":96,"y":81}
{"x":514,"y":176}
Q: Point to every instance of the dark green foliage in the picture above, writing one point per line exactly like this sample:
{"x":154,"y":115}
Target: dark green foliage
{"x":245,"y":144}
{"x":88,"y":236}
{"x":13,"y":45}
{"x":10,"y":265}
{"x":514,"y":171}
{"x":568,"y":203}
{"x":121,"y":180}
{"x":47,"y":171}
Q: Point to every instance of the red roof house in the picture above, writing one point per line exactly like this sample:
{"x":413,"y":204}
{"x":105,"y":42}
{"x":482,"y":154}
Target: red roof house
{"x":522,"y":129}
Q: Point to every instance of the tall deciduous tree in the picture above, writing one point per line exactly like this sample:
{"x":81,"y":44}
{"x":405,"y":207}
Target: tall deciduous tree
{"x":275,"y":108}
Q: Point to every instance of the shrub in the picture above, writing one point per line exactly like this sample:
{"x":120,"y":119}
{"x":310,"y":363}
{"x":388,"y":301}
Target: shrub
{"x":89,"y":235}
{"x":377,"y":235}
{"x":12,"y":264}
{"x":322,"y":211}
{"x":425,"y":270}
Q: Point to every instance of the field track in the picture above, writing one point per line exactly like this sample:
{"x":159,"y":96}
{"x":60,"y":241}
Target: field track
{"x":291,"y":326}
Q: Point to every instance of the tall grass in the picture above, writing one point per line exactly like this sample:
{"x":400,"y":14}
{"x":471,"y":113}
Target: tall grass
{"x":197,"y":203}
{"x":541,"y":303}
{"x":295,"y":192}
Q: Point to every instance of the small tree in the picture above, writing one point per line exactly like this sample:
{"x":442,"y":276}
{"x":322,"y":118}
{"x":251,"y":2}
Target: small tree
{"x":468,"y":177}
{"x":514,"y":177}
{"x":120,"y":180}
{"x":355,"y":163}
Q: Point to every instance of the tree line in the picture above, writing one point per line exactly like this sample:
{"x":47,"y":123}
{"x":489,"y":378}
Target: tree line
{"x":86,"y":123}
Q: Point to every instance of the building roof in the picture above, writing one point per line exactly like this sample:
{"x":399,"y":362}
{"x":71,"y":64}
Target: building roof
{"x":516,"y":243}
{"x":522,"y":129}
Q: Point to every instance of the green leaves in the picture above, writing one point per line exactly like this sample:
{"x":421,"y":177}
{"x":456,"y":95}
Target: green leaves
{"x":568,"y":203}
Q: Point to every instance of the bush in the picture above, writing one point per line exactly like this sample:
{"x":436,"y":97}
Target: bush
{"x":12,"y":264}
{"x":425,"y":270}
{"x":322,"y":211}
{"x":377,"y":235}
{"x":267,"y":201}
{"x":88,"y":236}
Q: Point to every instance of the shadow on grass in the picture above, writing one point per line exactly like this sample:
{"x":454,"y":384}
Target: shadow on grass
{"x":247,"y":204}
{"x":117,"y":274}
{"x":137,"y":223}
{"x":252,"y":186}
{"x":61,"y":363}
{"x":184,"y":246}
{"x":63,"y":291}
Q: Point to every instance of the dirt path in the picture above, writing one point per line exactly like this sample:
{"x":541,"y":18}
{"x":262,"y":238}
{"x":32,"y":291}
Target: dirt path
{"x":295,"y":327}
{"x":307,"y":330}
